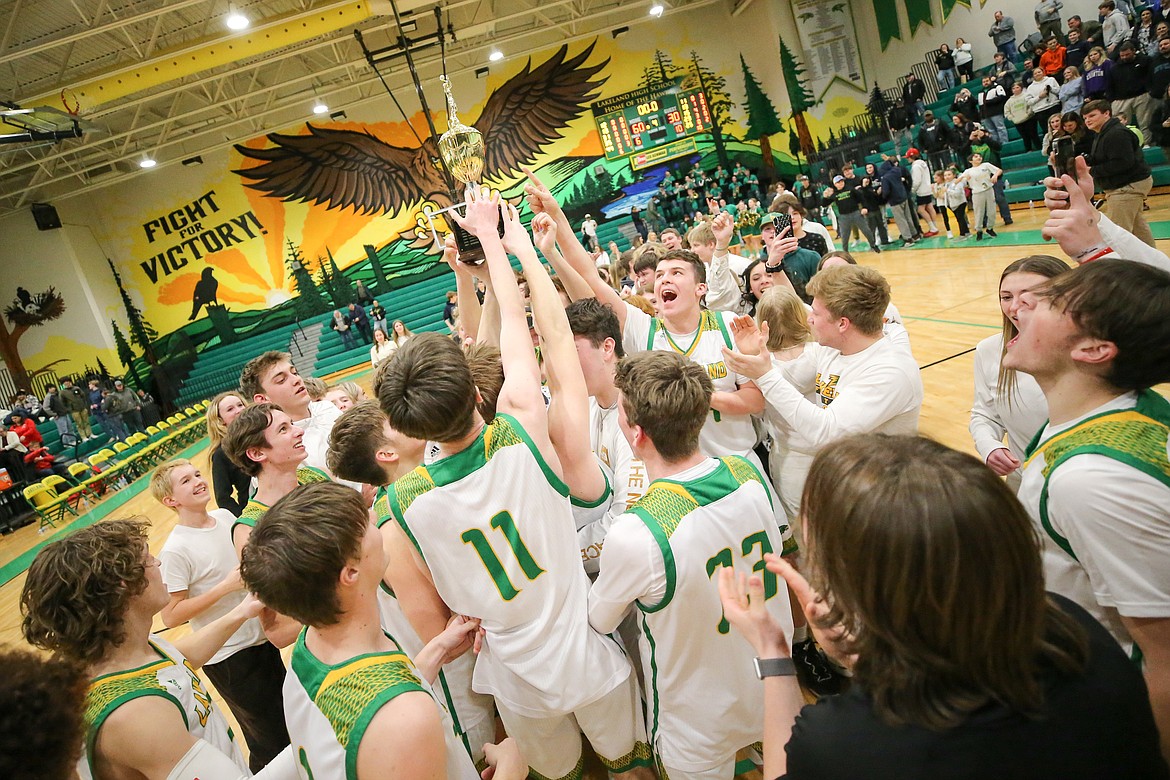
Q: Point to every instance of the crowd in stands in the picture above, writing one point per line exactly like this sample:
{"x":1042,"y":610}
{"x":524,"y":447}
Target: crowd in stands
{"x":667,"y":497}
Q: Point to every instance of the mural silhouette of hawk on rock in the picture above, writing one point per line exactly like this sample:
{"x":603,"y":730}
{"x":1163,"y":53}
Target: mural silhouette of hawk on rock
{"x":350,"y":169}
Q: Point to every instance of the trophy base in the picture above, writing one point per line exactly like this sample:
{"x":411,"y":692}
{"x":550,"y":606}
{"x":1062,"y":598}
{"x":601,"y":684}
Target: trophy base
{"x":470,"y":248}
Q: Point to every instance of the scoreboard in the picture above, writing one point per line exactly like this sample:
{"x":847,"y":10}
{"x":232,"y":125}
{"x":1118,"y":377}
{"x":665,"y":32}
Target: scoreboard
{"x":653,"y":124}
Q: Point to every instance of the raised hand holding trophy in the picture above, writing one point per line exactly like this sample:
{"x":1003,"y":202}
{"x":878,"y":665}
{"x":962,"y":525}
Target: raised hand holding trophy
{"x":462,"y":149}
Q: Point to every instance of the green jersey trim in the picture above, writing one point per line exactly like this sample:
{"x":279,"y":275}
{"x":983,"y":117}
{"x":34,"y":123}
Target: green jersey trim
{"x":606,"y":495}
{"x":667,"y":501}
{"x":110,"y":691}
{"x":254,"y":511}
{"x":351,"y":693}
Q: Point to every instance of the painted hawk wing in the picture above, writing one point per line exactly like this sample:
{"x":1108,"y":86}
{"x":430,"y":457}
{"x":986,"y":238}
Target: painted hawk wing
{"x":532,"y":108}
{"x":341,"y":168}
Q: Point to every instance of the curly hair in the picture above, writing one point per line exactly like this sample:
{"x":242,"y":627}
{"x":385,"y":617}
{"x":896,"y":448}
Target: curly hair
{"x":41,"y":724}
{"x":78,"y":589}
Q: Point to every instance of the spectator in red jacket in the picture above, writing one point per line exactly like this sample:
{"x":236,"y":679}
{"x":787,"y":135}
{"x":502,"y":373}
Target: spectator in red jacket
{"x":26,"y":429}
{"x":41,"y":461}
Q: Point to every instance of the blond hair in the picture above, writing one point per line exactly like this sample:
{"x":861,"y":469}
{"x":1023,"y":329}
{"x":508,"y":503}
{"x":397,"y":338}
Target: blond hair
{"x":786,"y":316}
{"x":701,"y":233}
{"x":315,"y":387}
{"x":216,"y":428}
{"x":161,"y":486}
{"x":855,"y":292}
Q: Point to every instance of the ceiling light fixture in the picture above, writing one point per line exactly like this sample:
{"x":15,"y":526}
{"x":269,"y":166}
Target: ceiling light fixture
{"x":482,"y":72}
{"x":337,"y":116}
{"x":320,"y":108}
{"x":147,"y":162}
{"x":496,"y":55}
{"x":236,"y":20}
{"x":657,"y":10}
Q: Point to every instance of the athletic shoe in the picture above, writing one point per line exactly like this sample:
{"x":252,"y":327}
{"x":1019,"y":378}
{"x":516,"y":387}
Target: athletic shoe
{"x":930,"y":233}
{"x":877,"y":250}
{"x":979,"y":235}
{"x":815,"y":671}
{"x":1009,"y":222}
{"x":991,"y":232}
{"x":950,"y":235}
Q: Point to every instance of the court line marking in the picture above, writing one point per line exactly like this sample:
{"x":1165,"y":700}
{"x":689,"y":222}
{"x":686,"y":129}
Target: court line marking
{"x":953,"y":322}
{"x":20,"y":564}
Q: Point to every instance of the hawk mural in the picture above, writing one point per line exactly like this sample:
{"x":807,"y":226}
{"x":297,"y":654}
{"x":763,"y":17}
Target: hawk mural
{"x":348,"y":169}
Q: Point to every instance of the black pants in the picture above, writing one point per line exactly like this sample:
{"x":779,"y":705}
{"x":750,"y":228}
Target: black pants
{"x":1029,"y":134}
{"x":251,"y":682}
{"x":876,"y":219}
{"x":961,"y":218}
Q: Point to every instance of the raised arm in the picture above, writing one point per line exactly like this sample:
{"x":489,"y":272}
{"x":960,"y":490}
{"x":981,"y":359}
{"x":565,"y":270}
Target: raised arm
{"x":200,"y":646}
{"x":544,"y":232}
{"x":520,"y":394}
{"x":568,"y":413}
{"x":541,"y":200}
{"x":469,"y":307}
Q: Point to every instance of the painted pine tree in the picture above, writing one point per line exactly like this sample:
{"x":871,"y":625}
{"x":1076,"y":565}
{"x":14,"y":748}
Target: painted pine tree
{"x":342,"y":283}
{"x":142,"y":333}
{"x":718,"y":100}
{"x":309,"y":301}
{"x":125,"y":352}
{"x":800,"y":98}
{"x":761,"y":117}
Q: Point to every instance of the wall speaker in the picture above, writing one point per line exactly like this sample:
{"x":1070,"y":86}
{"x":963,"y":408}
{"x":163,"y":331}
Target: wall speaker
{"x":46,"y":216}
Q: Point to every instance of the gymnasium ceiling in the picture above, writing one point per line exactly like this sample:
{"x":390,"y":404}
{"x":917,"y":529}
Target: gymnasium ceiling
{"x":168,"y":80}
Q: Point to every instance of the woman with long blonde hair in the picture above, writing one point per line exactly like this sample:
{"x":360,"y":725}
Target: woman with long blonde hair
{"x":1008,"y":403}
{"x":232,"y":487}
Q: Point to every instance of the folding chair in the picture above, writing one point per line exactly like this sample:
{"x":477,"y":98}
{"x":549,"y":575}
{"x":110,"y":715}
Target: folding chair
{"x":63,"y":489}
{"x":84,"y":477}
{"x":49,"y":506}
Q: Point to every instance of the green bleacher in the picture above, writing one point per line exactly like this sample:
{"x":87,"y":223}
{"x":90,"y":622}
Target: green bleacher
{"x":1023,"y":171}
{"x":218,"y":369}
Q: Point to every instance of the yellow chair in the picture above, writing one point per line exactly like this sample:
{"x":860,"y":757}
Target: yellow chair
{"x":84,"y":478}
{"x":120,"y":447}
{"x":153,"y":430}
{"x":49,"y":506}
{"x":62,"y":488}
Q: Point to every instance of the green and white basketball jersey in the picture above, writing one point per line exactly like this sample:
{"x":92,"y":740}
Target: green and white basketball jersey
{"x":327,"y":709}
{"x":254,"y":510}
{"x":704,"y":699}
{"x":170,"y":677}
{"x":472,"y":714}
{"x":494,"y":525}
{"x":722,"y":434}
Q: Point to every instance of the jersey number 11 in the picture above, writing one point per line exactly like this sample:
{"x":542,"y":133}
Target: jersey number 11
{"x":504,"y":523}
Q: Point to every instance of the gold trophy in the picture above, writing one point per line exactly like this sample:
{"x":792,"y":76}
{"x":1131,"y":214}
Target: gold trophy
{"x":463,"y":152}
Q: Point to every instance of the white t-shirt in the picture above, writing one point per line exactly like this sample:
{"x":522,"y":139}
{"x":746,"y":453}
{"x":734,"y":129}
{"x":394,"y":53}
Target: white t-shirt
{"x":992,"y":417}
{"x":589,"y":227}
{"x":1117,"y":521}
{"x":877,"y":390}
{"x":722,"y":434}
{"x":196,"y":560}
{"x":979,"y":177}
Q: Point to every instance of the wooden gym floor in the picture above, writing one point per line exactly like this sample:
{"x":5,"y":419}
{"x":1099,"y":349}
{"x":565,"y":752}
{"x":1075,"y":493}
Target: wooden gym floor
{"x":946,"y":293}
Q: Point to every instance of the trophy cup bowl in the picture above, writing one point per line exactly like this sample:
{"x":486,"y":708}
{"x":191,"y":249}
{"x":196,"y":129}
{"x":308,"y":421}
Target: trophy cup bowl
{"x":462,"y":150}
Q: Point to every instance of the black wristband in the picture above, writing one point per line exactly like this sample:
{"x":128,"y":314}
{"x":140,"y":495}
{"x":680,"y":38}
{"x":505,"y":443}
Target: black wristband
{"x":773,"y":269}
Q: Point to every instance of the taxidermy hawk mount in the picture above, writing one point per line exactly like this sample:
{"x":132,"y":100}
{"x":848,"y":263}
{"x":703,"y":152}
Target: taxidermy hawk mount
{"x":350,"y":169}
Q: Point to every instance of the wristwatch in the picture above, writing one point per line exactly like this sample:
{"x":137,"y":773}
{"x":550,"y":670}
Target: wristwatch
{"x":774,"y":667}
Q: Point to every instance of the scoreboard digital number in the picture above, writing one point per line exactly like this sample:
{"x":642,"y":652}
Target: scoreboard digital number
{"x":652,"y":124}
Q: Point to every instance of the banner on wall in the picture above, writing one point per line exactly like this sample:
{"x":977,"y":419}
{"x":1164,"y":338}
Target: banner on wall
{"x":948,"y":6}
{"x":886,"y":13}
{"x":829,"y":39}
{"x":918,"y":12}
